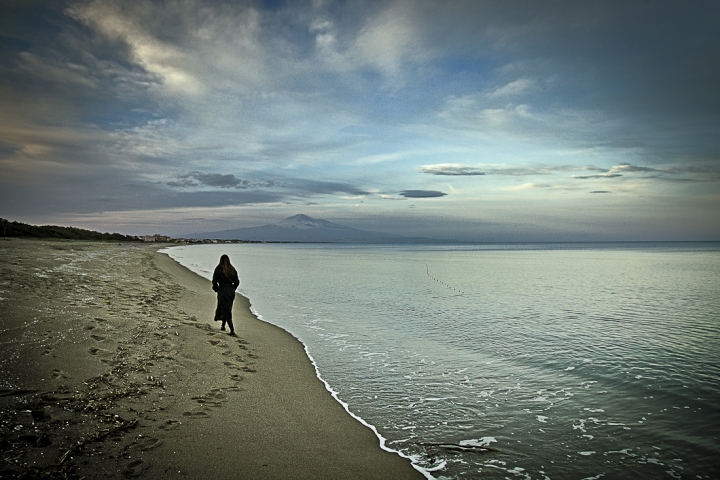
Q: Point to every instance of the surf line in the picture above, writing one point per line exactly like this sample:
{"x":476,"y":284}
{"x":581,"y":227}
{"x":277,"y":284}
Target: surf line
{"x":427,"y":272}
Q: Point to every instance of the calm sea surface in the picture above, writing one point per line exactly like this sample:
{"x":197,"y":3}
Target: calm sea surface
{"x":568,"y":360}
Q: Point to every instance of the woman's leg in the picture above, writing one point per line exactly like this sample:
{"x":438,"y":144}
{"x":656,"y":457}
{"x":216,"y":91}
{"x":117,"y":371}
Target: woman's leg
{"x":231,"y":300}
{"x":223,"y":311}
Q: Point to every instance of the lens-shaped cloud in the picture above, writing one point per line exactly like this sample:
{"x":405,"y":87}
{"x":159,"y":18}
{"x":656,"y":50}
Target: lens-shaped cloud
{"x":422,"y":194}
{"x":451,"y":169}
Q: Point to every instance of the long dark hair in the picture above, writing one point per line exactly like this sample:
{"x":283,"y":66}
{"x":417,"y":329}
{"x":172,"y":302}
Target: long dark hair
{"x":227,"y":269}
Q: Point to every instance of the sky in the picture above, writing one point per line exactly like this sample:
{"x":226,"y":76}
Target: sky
{"x":471,"y":120}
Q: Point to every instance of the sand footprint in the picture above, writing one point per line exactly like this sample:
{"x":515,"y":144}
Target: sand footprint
{"x":215,"y":393}
{"x":171,"y":424}
{"x":231,"y":365}
{"x":41,"y":415}
{"x":135,"y":469}
{"x":147,"y":443}
{"x":57,"y":373}
{"x":97,"y":338}
{"x":195,"y":414}
{"x":212,"y":399}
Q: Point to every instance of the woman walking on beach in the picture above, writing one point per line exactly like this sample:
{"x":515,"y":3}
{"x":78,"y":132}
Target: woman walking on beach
{"x":225,"y":280}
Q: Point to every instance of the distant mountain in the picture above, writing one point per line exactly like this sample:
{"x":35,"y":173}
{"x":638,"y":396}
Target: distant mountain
{"x":301,"y":228}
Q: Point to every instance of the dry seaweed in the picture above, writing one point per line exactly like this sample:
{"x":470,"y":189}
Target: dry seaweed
{"x":119,"y":426}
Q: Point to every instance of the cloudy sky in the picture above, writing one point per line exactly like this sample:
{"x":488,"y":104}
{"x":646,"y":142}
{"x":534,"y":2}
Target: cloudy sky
{"x":490,"y":121}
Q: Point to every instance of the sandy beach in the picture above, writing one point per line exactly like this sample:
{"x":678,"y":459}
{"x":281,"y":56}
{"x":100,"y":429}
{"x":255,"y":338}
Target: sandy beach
{"x":111,"y":367}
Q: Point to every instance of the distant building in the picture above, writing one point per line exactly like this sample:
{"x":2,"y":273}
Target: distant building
{"x":155,"y":238}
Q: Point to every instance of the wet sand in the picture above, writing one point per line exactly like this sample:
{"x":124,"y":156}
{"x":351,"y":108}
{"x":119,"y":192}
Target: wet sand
{"x":111,"y":367}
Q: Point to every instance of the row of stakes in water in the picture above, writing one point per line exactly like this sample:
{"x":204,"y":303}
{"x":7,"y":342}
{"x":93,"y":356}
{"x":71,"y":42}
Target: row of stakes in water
{"x":427,"y":271}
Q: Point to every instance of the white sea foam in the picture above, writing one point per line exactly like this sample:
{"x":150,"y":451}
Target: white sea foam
{"x":478,"y":442}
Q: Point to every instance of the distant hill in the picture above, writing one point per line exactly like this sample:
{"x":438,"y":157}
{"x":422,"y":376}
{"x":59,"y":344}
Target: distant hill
{"x":301,"y":228}
{"x":17,"y":229}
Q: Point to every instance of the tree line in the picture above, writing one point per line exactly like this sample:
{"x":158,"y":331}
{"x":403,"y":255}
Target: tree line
{"x":18,"y":229}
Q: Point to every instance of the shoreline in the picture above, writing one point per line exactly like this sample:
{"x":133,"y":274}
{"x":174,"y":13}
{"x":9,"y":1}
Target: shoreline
{"x":113,"y":368}
{"x":382,"y":441}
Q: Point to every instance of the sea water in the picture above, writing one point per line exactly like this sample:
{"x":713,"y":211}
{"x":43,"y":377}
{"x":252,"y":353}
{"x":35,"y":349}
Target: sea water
{"x":567,"y":360}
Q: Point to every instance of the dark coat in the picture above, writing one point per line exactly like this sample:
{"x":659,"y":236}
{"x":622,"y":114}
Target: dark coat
{"x":225,"y":288}
{"x":220,"y":280}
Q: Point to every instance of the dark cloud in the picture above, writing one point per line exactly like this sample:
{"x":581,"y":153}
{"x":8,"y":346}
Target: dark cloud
{"x":218,"y":180}
{"x":7,"y":150}
{"x":601,"y":191}
{"x":422,"y":194}
{"x":602,"y":175}
{"x":194,"y":179}
{"x":520,"y":171}
{"x":701,"y":173}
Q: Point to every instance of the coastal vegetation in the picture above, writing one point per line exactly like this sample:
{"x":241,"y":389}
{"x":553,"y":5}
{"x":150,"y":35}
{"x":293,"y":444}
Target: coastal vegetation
{"x":18,"y":229}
